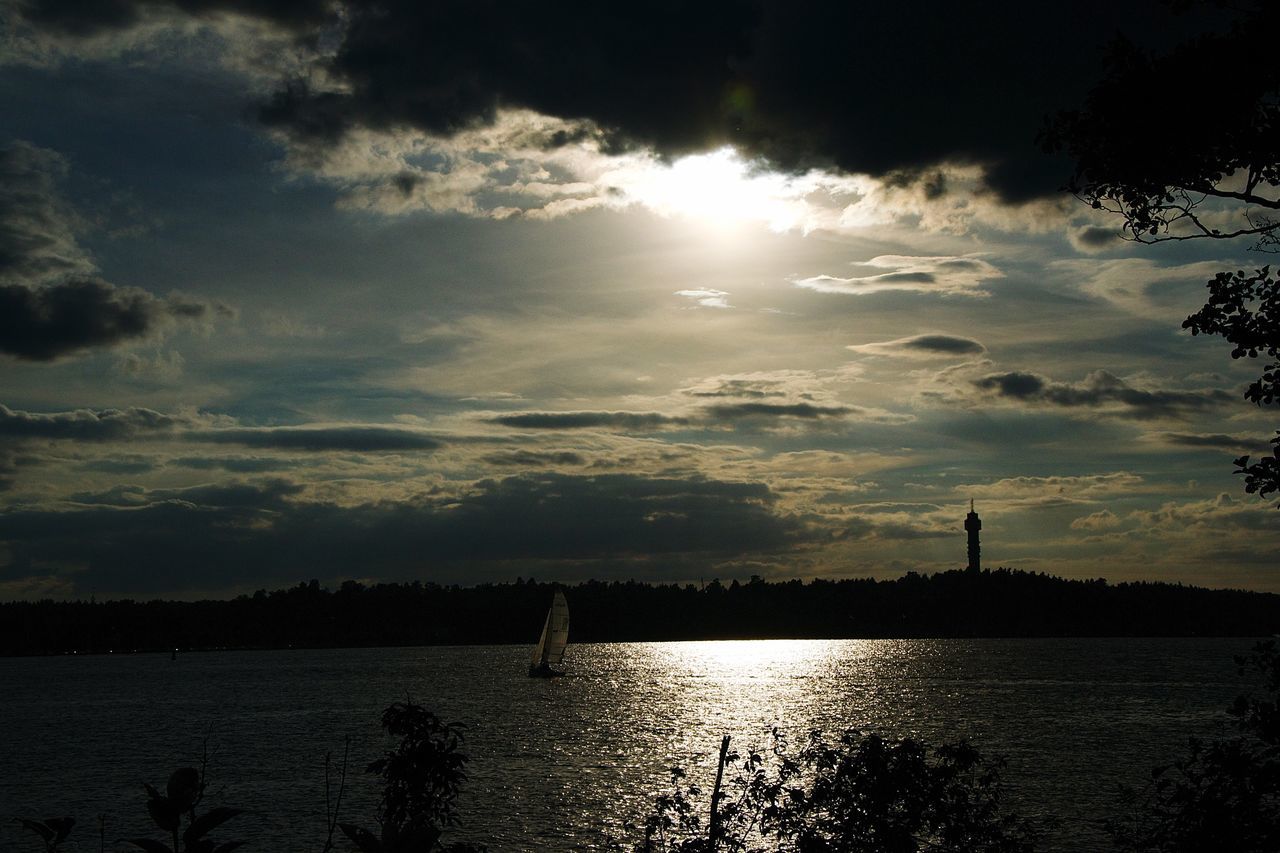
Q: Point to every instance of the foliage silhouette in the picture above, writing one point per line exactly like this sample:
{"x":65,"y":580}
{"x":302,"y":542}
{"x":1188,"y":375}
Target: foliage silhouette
{"x":1222,"y":159}
{"x":1223,"y":794}
{"x":1226,"y":151}
{"x":1244,"y":308}
{"x":861,"y":794}
{"x":422,"y":778}
{"x":52,"y":831}
{"x":183,"y":793}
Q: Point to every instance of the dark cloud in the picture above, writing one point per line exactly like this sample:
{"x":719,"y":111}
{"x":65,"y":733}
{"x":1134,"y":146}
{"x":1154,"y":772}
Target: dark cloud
{"x":37,"y":228}
{"x":344,"y":438}
{"x":588,"y":420}
{"x":236,"y":464}
{"x":886,"y":89}
{"x":806,"y":411}
{"x":51,"y":303}
{"x":86,"y":424}
{"x":217,"y":537}
{"x":88,"y":17}
{"x":751,"y":388}
{"x":1021,"y":386}
{"x":535,"y":458}
{"x":951,"y":344}
{"x":1215,"y":441}
{"x":263,"y":495}
{"x":1098,"y":389}
{"x":47,"y":322}
{"x":1091,"y":238}
{"x":924,"y":345}
{"x":123,"y":465}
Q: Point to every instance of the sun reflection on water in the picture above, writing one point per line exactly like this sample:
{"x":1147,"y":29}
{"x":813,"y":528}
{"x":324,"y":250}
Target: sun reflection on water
{"x":688,"y":695}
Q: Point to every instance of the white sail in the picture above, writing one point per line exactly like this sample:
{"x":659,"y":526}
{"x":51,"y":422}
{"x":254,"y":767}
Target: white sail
{"x":555,"y":634}
{"x":541,"y":647}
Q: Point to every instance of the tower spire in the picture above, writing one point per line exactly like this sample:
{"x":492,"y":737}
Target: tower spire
{"x":973,"y":524}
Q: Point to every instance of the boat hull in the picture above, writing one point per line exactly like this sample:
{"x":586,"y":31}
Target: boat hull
{"x":544,"y":671}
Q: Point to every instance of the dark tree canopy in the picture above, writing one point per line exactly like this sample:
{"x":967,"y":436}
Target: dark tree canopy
{"x":1186,"y":144}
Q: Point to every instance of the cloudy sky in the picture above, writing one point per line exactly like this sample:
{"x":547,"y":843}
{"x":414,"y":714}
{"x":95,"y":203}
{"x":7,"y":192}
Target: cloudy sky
{"x":463,"y":291}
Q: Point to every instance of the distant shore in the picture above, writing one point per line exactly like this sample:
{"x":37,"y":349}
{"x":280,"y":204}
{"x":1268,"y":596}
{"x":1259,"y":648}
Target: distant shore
{"x":991,"y":603}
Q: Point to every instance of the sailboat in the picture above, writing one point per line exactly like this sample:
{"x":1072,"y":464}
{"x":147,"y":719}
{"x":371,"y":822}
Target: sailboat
{"x":555,"y":636}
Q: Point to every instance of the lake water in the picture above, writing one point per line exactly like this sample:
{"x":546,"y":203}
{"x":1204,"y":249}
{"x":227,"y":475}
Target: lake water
{"x":557,"y":764}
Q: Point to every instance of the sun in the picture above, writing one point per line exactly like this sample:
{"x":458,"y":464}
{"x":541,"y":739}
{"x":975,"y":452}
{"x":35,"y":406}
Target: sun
{"x":718,"y":189}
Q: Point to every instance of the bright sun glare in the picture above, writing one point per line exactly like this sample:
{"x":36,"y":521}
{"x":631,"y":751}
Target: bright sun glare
{"x":719,"y":189}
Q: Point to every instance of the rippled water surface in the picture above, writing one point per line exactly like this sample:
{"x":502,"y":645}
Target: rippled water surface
{"x":557,"y":764}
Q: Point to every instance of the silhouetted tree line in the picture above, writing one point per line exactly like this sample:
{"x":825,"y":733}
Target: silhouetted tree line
{"x":999,"y":603}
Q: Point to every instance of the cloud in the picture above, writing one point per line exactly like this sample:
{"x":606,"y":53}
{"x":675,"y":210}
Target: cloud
{"x":804,"y":411}
{"x":1101,"y":520}
{"x":1094,"y":238}
{"x":37,"y":227}
{"x":237,"y":464}
{"x":1057,"y":489}
{"x":354,"y":439}
{"x":534,"y":458}
{"x":87,"y":424}
{"x":1101,"y":390}
{"x":752,"y":388}
{"x":265,"y":494}
{"x":714,"y":415}
{"x":707,"y":298}
{"x":895,"y":531}
{"x":818,"y":92}
{"x":126,"y":424}
{"x":1214,"y":441}
{"x":52,"y":304}
{"x":1142,"y":287}
{"x":589,"y":420}
{"x":49,"y":322}
{"x":826,"y":87}
{"x":222,"y":537}
{"x":923,"y":346}
{"x":86,"y":19}
{"x":947,"y":276}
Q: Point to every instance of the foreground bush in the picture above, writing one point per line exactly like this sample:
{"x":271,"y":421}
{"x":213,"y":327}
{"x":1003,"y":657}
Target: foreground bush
{"x":862,"y":794}
{"x":1222,"y":794}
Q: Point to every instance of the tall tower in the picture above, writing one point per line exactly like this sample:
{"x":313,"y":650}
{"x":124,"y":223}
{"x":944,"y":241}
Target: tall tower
{"x":973,"y":524}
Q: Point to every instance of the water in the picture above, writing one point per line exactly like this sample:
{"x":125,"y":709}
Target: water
{"x":559,"y":763}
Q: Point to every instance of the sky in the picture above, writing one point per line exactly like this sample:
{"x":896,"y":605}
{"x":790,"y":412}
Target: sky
{"x":468,"y":291}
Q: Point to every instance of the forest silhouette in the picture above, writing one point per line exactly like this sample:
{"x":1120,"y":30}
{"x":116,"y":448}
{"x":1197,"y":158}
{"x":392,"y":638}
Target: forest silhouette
{"x":990,"y":603}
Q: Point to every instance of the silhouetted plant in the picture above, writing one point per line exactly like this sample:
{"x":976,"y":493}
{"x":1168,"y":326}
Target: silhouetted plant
{"x":52,"y":831}
{"x":1244,"y":308}
{"x":182,"y":794}
{"x":422,"y":778}
{"x":332,"y":804}
{"x":1223,"y":794}
{"x":862,"y":793}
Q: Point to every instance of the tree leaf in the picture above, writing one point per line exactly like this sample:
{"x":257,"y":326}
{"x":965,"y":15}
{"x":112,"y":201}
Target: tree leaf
{"x":61,"y":825}
{"x":164,"y":813}
{"x":38,"y":827}
{"x":207,"y":822}
{"x":148,"y":845}
{"x":363,"y":838}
